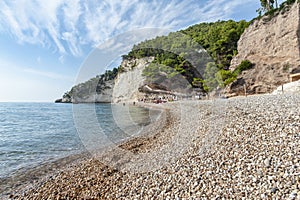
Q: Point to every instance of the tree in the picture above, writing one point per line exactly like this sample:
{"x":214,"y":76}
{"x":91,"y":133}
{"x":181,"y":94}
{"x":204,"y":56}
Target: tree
{"x":268,"y":5}
{"x":210,"y":76}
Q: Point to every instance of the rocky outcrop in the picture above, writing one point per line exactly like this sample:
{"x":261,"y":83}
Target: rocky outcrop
{"x":127,"y":83}
{"x":124,"y":87}
{"x":64,"y":100}
{"x":272,"y":44}
{"x":95,"y":95}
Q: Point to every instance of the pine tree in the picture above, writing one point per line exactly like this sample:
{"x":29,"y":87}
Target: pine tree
{"x":268,"y":5}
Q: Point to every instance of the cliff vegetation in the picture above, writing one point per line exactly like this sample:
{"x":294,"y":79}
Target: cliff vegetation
{"x":209,"y":55}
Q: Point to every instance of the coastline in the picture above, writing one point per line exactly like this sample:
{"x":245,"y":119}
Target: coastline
{"x":27,"y":179}
{"x":236,"y":148}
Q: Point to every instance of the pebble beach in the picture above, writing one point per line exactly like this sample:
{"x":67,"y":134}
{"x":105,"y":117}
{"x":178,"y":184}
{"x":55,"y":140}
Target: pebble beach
{"x":238,"y":148}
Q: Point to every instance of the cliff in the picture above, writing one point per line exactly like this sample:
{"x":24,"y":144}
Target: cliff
{"x":268,"y":49}
{"x":177,"y":64}
{"x":113,"y":86}
{"x":128,"y":82}
{"x":272,"y":45}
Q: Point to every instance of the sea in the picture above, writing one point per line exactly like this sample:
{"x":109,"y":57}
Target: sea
{"x":34,"y":134}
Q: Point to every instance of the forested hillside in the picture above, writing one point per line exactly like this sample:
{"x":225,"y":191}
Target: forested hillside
{"x":219,"y":39}
{"x":85,"y":89}
{"x":207,"y":47}
{"x":201,"y":54}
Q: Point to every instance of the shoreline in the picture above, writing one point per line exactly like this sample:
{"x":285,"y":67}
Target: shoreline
{"x":29,"y":178}
{"x":26,"y":178}
{"x":251,"y":152}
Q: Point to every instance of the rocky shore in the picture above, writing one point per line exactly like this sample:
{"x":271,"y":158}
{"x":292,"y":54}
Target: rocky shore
{"x":240,"y":148}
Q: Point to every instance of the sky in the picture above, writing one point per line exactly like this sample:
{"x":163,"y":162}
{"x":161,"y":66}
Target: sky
{"x":45,"y":45}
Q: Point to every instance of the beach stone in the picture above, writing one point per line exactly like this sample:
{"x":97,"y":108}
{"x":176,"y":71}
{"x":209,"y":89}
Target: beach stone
{"x":274,"y":190}
{"x":236,"y":163}
{"x":293,"y":195}
{"x":267,"y":162}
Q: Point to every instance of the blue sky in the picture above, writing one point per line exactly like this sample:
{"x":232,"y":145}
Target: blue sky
{"x":44,"y":43}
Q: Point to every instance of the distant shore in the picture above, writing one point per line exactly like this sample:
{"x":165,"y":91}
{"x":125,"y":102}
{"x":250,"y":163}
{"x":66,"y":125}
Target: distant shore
{"x":245,"y":147}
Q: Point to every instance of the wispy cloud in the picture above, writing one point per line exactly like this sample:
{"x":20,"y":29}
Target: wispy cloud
{"x":66,"y":25}
{"x":47,"y":74}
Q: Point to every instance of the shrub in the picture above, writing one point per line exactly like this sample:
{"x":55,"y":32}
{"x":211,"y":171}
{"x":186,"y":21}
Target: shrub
{"x":286,"y":67}
{"x":224,"y":77}
{"x":245,"y":65}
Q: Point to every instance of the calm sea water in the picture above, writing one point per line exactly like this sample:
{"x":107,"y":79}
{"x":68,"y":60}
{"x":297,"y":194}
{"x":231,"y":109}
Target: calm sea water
{"x":36,"y":133}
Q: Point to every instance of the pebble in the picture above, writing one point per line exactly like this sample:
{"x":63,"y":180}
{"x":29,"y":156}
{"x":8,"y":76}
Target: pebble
{"x":293,"y":195}
{"x":229,"y":155}
{"x":267,"y":162}
{"x":274,"y":190}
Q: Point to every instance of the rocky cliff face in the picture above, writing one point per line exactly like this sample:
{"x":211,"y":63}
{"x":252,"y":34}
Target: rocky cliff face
{"x":122,"y":88}
{"x":272,"y":44}
{"x":94,"y":96}
{"x":82,"y":94}
{"x":127,"y":83}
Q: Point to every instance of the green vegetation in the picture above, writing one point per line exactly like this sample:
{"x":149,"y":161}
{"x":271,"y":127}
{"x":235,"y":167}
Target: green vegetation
{"x":267,"y":5}
{"x":96,"y":84}
{"x":154,"y":69}
{"x":219,"y":39}
{"x":174,"y":54}
{"x":245,"y":65}
{"x":210,"y":82}
{"x":286,"y":67}
{"x":268,"y":8}
{"x":214,"y":78}
{"x":200,"y":55}
{"x":205,"y":48}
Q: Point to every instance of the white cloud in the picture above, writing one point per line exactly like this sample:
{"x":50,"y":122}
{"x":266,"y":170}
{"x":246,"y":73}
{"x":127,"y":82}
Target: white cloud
{"x":122,"y":43}
{"x":50,"y":75}
{"x":65,"y":25}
